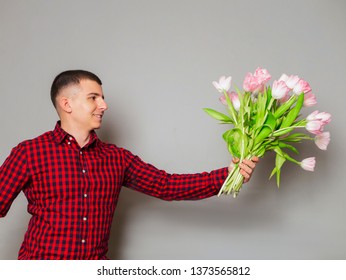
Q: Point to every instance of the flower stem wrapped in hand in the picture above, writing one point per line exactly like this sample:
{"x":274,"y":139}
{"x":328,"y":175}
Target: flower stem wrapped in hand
{"x":264,"y":119}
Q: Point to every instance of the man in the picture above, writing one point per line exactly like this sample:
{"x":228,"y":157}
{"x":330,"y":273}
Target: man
{"x":72,"y":179}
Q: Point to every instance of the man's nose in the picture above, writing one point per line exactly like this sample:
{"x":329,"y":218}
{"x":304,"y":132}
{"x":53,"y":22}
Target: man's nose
{"x":103,"y":105}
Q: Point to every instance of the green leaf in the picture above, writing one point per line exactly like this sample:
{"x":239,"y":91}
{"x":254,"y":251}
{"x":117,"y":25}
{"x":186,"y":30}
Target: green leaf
{"x":296,"y":137}
{"x":287,"y":146}
{"x":273,"y":173}
{"x":271,"y":121}
{"x":264,"y":132}
{"x":261,"y":110}
{"x":293,"y":114}
{"x":217,"y":115}
{"x":267,"y":128}
{"x":279,"y":161}
{"x":268,"y":95}
{"x":285,"y":106}
{"x":278,"y":174}
{"x":282,"y":131}
{"x":233,"y":139}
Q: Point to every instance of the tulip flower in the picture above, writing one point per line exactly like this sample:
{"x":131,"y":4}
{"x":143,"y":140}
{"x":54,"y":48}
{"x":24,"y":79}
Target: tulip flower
{"x":315,"y":127}
{"x":279,"y":90}
{"x":308,"y":164}
{"x":256,"y":82}
{"x":262,"y":75}
{"x":283,"y":77}
{"x":251,"y":83}
{"x":224,"y":84}
{"x":322,"y":140}
{"x":309,"y":99}
{"x":322,"y":117}
{"x":301,"y":87}
{"x":233,"y":96}
{"x":290,"y":81}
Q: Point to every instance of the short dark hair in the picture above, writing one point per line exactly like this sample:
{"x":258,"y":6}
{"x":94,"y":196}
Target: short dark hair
{"x":70,"y":77}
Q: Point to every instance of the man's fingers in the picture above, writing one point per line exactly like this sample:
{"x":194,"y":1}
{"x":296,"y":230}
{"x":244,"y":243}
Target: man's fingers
{"x":246,"y":167}
{"x":245,"y":175}
{"x":249,"y":163}
{"x":255,"y":159}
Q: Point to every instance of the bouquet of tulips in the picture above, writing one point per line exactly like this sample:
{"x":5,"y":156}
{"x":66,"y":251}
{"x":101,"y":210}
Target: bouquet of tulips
{"x":264,"y":118}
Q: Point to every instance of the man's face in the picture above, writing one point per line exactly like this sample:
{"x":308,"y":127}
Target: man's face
{"x":87,"y":105}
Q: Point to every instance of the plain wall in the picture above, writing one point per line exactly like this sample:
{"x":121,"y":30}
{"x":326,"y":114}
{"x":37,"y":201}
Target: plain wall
{"x":157,"y":60}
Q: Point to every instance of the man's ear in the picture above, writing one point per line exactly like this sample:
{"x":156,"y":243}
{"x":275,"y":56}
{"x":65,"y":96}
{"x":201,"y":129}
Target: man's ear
{"x":64,"y":104}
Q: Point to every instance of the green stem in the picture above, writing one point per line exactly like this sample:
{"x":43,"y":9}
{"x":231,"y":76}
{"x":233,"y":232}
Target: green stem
{"x":285,"y":128}
{"x":231,"y":108}
{"x":267,"y":110}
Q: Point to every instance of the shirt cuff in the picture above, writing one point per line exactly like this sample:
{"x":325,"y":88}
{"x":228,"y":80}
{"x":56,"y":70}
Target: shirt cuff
{"x":219,"y":176}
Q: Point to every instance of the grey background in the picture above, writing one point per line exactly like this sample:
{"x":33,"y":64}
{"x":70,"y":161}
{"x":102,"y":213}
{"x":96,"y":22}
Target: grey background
{"x":157,"y":60}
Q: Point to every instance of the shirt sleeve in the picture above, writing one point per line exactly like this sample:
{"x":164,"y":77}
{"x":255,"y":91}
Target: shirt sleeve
{"x":147,"y":179}
{"x":13,"y":177}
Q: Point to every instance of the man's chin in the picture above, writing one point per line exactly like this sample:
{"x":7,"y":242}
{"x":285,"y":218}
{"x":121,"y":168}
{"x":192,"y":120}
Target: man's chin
{"x":97,"y":126}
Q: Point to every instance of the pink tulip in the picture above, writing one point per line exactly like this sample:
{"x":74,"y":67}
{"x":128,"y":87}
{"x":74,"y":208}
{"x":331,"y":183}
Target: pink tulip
{"x":315,"y":127}
{"x":251,"y":83}
{"x":301,"y":87}
{"x":308,"y":164}
{"x":256,"y":82}
{"x":309,"y":99}
{"x":322,"y":140}
{"x":284,"y":78}
{"x":235,"y":101}
{"x":322,"y":117}
{"x":312,"y":116}
{"x":316,"y":122}
{"x":224,"y":84}
{"x":262,"y":75}
{"x":292,"y":81}
{"x":279,"y":90}
{"x":234,"y":98}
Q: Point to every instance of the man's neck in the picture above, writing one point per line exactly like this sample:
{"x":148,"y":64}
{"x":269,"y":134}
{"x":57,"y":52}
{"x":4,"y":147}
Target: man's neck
{"x":82,"y":136}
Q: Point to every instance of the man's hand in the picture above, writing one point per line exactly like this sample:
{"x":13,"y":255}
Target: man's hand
{"x":246,"y":167}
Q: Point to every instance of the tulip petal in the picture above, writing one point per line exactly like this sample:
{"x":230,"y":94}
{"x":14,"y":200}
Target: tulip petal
{"x":322,"y":140}
{"x":308,"y":164}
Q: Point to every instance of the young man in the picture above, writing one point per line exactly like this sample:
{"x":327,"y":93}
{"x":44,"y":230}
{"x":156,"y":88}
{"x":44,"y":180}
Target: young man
{"x":72,"y":179}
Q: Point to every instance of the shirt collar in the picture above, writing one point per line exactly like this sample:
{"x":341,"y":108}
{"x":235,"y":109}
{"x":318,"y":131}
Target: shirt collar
{"x":59,"y":135}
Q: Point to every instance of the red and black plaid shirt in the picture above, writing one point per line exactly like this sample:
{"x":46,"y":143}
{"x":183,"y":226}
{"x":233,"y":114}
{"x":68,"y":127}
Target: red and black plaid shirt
{"x":72,"y":192}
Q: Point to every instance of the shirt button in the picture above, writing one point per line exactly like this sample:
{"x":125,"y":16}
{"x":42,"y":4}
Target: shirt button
{"x":84,"y":218}
{"x":81,"y":152}
{"x":83,"y":171}
{"x":85,"y":195}
{"x":83,"y":240}
{"x":70,"y":138}
{"x":69,"y":143}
